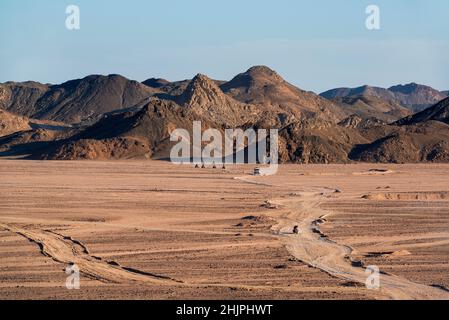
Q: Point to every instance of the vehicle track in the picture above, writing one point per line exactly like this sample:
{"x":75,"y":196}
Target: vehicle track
{"x":315,"y":249}
{"x":69,"y":251}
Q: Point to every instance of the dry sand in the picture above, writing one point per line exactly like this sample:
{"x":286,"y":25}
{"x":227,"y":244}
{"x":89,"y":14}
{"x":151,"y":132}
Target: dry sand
{"x":151,"y":230}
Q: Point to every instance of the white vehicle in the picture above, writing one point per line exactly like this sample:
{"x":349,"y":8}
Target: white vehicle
{"x":262,"y":171}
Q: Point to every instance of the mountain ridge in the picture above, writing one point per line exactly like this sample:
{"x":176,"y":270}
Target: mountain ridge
{"x":261,"y":85}
{"x":438,"y":112}
{"x":413,"y":96}
{"x":74,"y":100}
{"x":112,"y":117}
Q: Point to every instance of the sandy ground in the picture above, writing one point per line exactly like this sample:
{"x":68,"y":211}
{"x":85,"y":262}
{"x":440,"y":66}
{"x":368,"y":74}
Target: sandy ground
{"x":151,"y":230}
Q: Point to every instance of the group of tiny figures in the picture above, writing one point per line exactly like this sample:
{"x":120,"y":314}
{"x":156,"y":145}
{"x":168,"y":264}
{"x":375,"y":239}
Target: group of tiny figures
{"x":214,"y":166}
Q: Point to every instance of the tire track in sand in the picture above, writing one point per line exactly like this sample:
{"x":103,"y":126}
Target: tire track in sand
{"x":68,"y":251}
{"x":312,"y":247}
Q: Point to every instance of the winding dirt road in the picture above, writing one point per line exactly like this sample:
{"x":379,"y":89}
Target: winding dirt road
{"x":69,"y":251}
{"x":312,"y":247}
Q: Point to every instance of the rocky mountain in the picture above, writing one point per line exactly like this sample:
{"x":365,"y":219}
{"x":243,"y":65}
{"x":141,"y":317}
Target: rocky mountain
{"x":417,"y":96}
{"x":117,"y":118}
{"x":10,"y":123}
{"x":423,"y":137}
{"x":76,"y":100}
{"x":28,"y":143}
{"x":205,"y":100}
{"x":86,"y":99}
{"x":422,"y":142}
{"x":368,"y":107}
{"x":413,"y":96}
{"x":21,"y":97}
{"x":317,"y":141}
{"x":174,"y":88}
{"x":262,"y":86}
{"x":376,"y":92}
{"x":143,"y":133}
{"x":439,"y":112}
{"x":156,"y":83}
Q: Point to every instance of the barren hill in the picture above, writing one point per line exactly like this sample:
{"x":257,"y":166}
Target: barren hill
{"x":317,"y":141}
{"x":21,"y":97}
{"x":366,"y":106}
{"x":422,"y":137}
{"x":120,"y":119}
{"x":10,"y":123}
{"x":423,"y":142}
{"x":262,"y":86}
{"x":156,"y":82}
{"x":439,"y":112}
{"x":76,"y":100}
{"x":123,"y":135}
{"x":88,"y":98}
{"x":376,"y":92}
{"x":414,"y":96}
{"x":174,"y":88}
{"x":204,"y":99}
{"x":417,"y":96}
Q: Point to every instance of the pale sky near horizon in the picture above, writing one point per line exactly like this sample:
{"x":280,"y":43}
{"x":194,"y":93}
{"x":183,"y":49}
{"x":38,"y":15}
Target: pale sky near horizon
{"x":316,"y":45}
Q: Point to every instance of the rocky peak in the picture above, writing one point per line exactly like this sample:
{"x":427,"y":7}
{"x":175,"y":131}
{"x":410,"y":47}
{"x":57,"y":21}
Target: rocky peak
{"x":201,"y":91}
{"x":264,"y":71}
{"x":410,"y":88}
{"x":255,"y":77}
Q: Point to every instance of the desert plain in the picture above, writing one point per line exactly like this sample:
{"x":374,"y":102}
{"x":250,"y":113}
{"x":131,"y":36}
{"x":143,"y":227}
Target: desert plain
{"x":154,"y":230}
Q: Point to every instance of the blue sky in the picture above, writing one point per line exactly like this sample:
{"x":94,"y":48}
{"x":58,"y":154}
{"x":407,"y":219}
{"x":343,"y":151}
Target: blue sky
{"x":316,"y":45}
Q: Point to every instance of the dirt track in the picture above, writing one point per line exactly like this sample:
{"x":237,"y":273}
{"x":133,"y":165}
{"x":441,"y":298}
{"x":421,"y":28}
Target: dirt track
{"x":149,"y":230}
{"x":315,"y":249}
{"x":71,"y":252}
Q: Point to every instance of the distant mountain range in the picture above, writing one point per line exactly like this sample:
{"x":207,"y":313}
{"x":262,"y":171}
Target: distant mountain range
{"x":413,"y":96}
{"x":112,"y":117}
{"x":423,"y":137}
